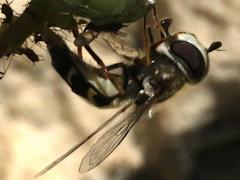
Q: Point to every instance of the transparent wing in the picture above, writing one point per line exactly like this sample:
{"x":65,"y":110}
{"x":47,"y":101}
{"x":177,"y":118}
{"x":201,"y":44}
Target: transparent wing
{"x":122,"y":47}
{"x":109,"y":141}
{"x":74,"y":148}
{"x":105,"y":145}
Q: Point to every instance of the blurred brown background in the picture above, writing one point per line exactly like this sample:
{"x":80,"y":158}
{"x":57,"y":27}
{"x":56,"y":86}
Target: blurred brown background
{"x":193,"y":136}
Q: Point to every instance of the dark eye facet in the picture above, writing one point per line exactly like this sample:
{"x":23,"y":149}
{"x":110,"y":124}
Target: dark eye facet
{"x":191,"y":56}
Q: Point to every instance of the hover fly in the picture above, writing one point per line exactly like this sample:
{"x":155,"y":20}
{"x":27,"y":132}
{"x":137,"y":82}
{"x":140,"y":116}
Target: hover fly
{"x":173,"y":61}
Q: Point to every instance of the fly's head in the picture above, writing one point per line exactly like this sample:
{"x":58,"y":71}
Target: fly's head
{"x":186,"y":52}
{"x":176,"y":59}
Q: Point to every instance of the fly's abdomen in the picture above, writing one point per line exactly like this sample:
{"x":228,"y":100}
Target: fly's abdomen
{"x":79,"y":76}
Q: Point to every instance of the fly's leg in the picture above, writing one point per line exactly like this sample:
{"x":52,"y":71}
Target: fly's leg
{"x":162,"y":26}
{"x":146,"y":40}
{"x":79,"y":48}
{"x":115,"y":66}
{"x":104,"y":68}
{"x":83,"y":39}
{"x":147,"y":35}
{"x":157,"y":22}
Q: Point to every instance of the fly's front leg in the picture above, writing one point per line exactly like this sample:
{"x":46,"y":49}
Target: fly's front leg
{"x":147,"y":34}
{"x":85,"y":80}
{"x":158,"y":24}
{"x":146,"y":40}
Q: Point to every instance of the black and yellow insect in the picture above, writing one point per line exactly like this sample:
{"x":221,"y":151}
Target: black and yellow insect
{"x":174,"y":61}
{"x":168,"y":65}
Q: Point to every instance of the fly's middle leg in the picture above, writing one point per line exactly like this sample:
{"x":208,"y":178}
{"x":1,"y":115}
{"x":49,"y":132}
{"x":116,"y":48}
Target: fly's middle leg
{"x":104,"y":68}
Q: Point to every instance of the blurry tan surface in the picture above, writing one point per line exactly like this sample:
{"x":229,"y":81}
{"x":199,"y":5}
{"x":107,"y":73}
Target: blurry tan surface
{"x":40,"y":118}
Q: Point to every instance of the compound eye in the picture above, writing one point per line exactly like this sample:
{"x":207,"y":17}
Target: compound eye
{"x":192,"y":57}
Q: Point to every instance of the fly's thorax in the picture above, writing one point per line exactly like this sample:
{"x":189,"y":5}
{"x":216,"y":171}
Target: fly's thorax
{"x":162,"y":76}
{"x":187,"y":53}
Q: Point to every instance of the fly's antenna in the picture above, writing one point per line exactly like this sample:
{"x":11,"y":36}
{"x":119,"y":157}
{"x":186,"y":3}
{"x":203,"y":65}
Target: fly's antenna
{"x":214,"y":46}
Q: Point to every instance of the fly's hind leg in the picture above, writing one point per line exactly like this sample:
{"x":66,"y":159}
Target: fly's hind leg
{"x":79,"y":48}
{"x":82,"y":39}
{"x":104,"y":68}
